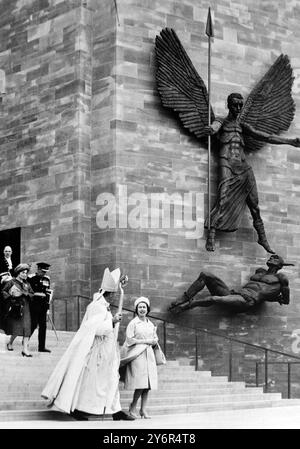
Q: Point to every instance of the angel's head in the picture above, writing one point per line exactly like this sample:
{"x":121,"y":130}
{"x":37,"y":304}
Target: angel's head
{"x":235,"y":103}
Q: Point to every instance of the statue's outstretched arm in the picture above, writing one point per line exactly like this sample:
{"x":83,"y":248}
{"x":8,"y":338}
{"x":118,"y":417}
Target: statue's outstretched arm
{"x":270,"y":138}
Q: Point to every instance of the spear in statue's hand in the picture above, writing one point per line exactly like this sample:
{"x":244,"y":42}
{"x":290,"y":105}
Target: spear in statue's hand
{"x":210,"y":33}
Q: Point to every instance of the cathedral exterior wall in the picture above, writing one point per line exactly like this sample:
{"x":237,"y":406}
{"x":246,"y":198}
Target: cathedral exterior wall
{"x":45,"y":139}
{"x":156,"y":155}
{"x":81,"y":119}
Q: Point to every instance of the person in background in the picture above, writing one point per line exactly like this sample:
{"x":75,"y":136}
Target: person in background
{"x":138,"y":356}
{"x":6,"y":271}
{"x":6,"y":262}
{"x":4,"y":277}
{"x":17,"y":294}
{"x":39,"y":308}
{"x":86,"y":379}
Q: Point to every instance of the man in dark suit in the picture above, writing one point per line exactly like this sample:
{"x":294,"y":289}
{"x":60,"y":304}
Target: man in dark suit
{"x":6,"y":263}
{"x":6,"y":272}
{"x":39,"y":308}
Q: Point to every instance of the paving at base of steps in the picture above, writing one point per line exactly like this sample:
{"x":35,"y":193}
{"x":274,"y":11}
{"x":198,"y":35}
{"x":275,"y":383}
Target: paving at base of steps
{"x":266,"y":418}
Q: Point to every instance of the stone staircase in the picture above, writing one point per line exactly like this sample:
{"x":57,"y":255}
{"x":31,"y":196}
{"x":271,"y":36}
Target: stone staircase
{"x":181,"y":389}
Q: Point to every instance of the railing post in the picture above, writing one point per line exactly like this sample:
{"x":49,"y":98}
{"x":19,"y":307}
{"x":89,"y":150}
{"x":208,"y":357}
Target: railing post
{"x":266,"y":370}
{"x":196,"y":351}
{"x":289,"y":380}
{"x":256,"y":374}
{"x":165,"y":338}
{"x":230,"y":362}
{"x":78,"y":311}
{"x":66,"y":314}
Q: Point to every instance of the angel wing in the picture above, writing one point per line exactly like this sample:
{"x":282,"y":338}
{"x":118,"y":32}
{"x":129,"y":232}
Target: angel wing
{"x":270,"y":107}
{"x":179,"y":85}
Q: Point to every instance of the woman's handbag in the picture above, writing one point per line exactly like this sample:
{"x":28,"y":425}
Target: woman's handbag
{"x":159,"y":355}
{"x":16,"y":303}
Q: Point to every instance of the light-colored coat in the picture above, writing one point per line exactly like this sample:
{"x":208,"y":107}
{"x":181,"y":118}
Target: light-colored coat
{"x":86,"y":377}
{"x":141,"y":369}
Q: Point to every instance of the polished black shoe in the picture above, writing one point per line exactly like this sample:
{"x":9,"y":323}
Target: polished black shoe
{"x":79,"y":416}
{"x":44,"y":350}
{"x":25,"y":355}
{"x":122,"y":416}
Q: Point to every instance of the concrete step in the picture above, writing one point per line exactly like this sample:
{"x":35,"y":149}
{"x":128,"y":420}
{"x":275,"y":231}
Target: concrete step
{"x":13,"y":388}
{"x":48,"y":414}
{"x":181,"y":388}
{"x":207,"y":398}
{"x":23,"y":404}
{"x":43,"y":377}
{"x":33,"y":415}
{"x":158,"y":395}
{"x":29,"y":392}
{"x":31,"y":404}
{"x":209,"y":406}
{"x":36,"y":410}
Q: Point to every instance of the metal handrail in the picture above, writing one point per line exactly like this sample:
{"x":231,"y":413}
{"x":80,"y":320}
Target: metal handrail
{"x":199,"y":329}
{"x":289,"y":372}
{"x":216,"y":334}
{"x":231,"y":340}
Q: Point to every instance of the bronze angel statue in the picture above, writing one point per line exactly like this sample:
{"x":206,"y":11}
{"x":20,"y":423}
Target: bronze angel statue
{"x":268,"y":110}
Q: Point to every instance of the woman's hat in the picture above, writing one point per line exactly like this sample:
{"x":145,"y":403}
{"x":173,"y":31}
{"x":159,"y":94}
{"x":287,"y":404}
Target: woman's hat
{"x":21,"y":267}
{"x":141,"y":299}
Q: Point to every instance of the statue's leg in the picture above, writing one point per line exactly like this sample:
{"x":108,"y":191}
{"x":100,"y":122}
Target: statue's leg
{"x":236,"y":301}
{"x":197,"y":302}
{"x":230,"y":300}
{"x":252,"y":203}
{"x":214,"y":285}
{"x":210,"y":240}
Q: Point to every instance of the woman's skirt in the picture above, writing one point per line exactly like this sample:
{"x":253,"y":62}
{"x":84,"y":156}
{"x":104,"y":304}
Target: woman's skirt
{"x":19,"y":326}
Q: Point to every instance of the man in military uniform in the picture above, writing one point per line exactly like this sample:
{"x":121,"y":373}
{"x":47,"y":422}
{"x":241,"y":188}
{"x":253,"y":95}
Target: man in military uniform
{"x":40,"y":283}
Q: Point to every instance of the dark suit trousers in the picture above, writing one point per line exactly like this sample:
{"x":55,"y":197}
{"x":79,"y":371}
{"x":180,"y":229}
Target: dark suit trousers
{"x":38,"y":309}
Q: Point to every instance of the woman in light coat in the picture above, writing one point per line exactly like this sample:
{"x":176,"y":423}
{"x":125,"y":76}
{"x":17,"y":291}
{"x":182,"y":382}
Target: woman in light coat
{"x":138,"y":356}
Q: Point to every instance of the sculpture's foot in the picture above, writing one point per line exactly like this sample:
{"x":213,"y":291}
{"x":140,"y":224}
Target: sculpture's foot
{"x":177,"y":305}
{"x":192,"y":303}
{"x":177,"y":309}
{"x":264,"y":243}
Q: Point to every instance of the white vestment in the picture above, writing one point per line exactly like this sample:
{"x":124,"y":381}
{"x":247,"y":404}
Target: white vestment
{"x":87,"y":376}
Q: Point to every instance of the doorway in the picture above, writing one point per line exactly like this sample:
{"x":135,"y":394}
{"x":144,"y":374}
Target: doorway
{"x":12,"y":238}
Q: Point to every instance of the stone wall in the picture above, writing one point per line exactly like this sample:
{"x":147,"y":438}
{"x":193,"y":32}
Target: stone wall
{"x":103,"y":152}
{"x":154,"y":154}
{"x":82,"y":122}
{"x":45,"y":138}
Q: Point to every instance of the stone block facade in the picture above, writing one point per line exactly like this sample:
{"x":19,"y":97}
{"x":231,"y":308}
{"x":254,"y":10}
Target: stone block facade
{"x":82,"y":123}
